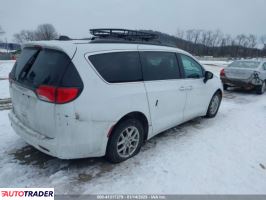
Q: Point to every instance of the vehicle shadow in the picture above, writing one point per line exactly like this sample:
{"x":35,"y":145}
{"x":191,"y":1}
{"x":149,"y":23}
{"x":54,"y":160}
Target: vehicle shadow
{"x":82,"y":170}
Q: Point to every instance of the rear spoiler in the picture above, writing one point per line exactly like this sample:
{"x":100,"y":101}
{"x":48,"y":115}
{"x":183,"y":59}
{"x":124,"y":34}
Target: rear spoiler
{"x":66,"y":47}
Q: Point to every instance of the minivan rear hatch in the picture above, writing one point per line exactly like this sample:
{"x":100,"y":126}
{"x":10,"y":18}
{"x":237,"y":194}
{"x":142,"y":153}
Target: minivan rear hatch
{"x":34,"y":81}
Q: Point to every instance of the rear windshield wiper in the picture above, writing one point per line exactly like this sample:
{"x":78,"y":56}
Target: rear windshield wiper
{"x":25,"y":70}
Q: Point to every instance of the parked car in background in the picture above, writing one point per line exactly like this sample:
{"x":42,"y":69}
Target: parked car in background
{"x":106,"y":96}
{"x":248,"y":74}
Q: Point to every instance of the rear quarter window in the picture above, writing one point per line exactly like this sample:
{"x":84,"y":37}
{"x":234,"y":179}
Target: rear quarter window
{"x":118,"y":67}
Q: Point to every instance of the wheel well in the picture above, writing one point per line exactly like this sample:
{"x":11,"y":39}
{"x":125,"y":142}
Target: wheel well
{"x":139,"y":116}
{"x":219,"y":91}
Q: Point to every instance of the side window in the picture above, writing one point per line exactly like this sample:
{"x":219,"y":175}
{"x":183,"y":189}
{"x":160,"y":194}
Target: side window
{"x":191,"y":68}
{"x":118,"y":67}
{"x":264,"y":66}
{"x":159,"y":65}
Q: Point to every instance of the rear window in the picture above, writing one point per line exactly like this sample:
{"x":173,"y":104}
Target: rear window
{"x":37,"y":67}
{"x":245,"y":64}
{"x":118,"y":67}
{"x":27,"y":55}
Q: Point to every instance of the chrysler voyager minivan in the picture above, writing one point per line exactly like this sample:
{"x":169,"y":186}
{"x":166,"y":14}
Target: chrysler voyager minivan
{"x":106,"y":95}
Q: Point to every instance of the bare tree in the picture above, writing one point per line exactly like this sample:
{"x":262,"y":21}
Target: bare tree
{"x":46,"y":32}
{"x":263,"y":41}
{"x":189,"y":35}
{"x":43,"y":32}
{"x":2,"y":32}
{"x":196,"y":35}
{"x":240,"y":40}
{"x":226,"y":40}
{"x":252,"y":41}
{"x":180,"y":34}
{"x":24,"y":36}
{"x":217,"y":37}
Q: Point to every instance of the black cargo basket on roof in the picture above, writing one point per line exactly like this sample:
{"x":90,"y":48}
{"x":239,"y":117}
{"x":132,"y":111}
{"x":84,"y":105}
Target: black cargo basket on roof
{"x":123,"y":34}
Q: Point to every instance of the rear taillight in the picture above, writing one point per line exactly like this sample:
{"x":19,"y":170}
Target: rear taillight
{"x":47,"y":93}
{"x":65,"y":95}
{"x":56,"y":94}
{"x":222,"y":73}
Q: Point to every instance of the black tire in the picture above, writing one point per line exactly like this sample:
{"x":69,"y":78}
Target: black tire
{"x":210,"y":112}
{"x":112,"y":153}
{"x":225,"y":86}
{"x":260,"y":89}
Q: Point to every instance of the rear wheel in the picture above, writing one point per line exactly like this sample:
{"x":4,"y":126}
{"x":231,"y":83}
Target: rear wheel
{"x":214,"y":105}
{"x":125,"y":140}
{"x":261,"y":88}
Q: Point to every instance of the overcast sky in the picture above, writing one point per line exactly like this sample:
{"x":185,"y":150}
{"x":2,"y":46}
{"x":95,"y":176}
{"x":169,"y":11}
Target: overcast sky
{"x":76,"y":17}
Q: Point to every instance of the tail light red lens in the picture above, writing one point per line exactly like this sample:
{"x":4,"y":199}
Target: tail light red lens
{"x":57,"y":95}
{"x":65,"y":95}
{"x":222,"y":72}
{"x":46,"y":93}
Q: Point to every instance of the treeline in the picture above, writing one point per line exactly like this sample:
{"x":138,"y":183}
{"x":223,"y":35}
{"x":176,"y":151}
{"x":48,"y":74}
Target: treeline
{"x":197,"y":42}
{"x":214,"y":43}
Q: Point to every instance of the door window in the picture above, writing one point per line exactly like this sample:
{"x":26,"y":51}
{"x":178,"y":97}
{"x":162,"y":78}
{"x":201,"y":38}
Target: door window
{"x":159,"y":65}
{"x":191,"y":68}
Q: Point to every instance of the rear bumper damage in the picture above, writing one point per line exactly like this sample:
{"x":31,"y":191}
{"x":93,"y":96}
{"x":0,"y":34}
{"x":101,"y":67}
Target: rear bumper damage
{"x":91,"y":142}
{"x":251,"y":82}
{"x":40,"y":142}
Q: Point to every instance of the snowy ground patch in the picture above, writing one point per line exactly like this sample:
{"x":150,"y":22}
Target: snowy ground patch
{"x":5,"y":68}
{"x":215,"y":63}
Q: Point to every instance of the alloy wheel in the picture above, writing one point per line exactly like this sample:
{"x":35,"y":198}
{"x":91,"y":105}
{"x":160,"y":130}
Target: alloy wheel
{"x":128,"y":142}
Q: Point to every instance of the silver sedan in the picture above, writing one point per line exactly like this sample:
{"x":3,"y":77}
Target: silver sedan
{"x":248,"y":74}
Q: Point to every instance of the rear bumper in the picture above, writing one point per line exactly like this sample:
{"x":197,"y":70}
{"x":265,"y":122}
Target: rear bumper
{"x":40,"y":142}
{"x":68,"y":146}
{"x":245,"y":83}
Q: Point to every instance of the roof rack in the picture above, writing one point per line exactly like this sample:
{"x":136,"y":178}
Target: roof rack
{"x":123,"y":34}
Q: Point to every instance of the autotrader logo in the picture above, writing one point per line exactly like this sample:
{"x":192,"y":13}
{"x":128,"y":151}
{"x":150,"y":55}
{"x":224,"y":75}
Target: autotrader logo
{"x":27,"y":193}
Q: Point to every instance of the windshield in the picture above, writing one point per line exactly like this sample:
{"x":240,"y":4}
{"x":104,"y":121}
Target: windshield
{"x":245,"y":64}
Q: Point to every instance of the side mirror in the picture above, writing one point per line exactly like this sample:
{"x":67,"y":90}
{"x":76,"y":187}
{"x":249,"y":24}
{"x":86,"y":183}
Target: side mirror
{"x":207,"y":76}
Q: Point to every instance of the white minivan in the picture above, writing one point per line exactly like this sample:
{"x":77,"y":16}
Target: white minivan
{"x":106,"y":95}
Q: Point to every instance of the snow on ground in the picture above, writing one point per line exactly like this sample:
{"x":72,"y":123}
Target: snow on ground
{"x":215,"y":63}
{"x":224,"y":155}
{"x":5,"y":68}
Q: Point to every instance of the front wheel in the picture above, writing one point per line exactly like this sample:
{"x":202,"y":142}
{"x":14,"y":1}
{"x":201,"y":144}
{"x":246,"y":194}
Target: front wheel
{"x":261,"y":88}
{"x":125,"y":140}
{"x":214,"y":105}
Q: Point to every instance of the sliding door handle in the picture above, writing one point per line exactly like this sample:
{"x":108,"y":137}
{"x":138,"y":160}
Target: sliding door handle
{"x":189,"y":88}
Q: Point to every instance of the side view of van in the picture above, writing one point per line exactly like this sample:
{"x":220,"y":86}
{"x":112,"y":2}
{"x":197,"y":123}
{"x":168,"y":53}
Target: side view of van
{"x":105,"y":96}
